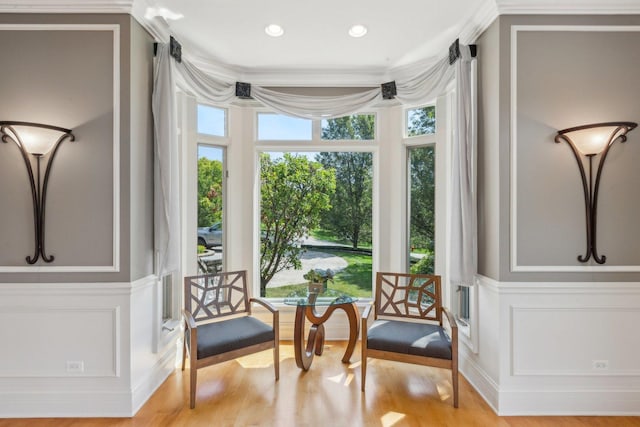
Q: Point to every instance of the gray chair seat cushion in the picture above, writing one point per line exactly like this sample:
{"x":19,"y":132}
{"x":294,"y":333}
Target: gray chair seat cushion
{"x":221,"y":337}
{"x":423,"y":339}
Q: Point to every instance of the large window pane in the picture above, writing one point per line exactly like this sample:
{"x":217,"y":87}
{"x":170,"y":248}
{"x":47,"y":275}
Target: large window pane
{"x":355,"y":127}
{"x":211,"y":120}
{"x":278,"y":127}
{"x":210,"y":208}
{"x":421,"y":121}
{"x":422,"y":209}
{"x":315,"y":214}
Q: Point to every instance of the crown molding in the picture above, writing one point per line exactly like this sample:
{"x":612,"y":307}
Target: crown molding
{"x":67,"y":6}
{"x":478,"y":21}
{"x":566,"y":7}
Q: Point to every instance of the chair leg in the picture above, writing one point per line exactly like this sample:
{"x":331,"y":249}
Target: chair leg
{"x":276,"y":360}
{"x":363,"y":370}
{"x":184,"y":351}
{"x":192,"y":386}
{"x":454,"y":382}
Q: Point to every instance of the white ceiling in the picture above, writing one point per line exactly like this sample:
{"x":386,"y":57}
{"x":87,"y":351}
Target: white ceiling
{"x":228,"y":35}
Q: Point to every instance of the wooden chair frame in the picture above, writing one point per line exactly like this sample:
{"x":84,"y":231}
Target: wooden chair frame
{"x":228,"y":299}
{"x":388,"y":305}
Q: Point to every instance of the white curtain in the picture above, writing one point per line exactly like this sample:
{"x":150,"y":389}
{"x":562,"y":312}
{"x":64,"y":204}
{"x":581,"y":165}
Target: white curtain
{"x":316,"y":107}
{"x":426,"y":85}
{"x":411,"y":89}
{"x":166,"y":165}
{"x":463,"y":244}
{"x":205,"y":87}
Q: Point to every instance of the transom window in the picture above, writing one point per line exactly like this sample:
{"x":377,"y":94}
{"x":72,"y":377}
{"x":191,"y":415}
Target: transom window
{"x":278,"y":127}
{"x":212,"y":121}
{"x":350,"y":128}
{"x":420,"y":121}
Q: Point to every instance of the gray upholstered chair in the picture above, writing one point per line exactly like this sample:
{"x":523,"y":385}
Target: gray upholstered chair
{"x":408,"y":325}
{"x":219,"y":326}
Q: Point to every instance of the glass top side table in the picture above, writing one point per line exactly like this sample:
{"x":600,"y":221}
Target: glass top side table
{"x":306,"y":302}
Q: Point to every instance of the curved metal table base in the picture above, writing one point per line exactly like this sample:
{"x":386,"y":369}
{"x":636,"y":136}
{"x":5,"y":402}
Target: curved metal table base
{"x":315,"y":341}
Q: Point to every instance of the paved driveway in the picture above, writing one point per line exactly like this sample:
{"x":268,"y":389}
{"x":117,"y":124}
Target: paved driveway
{"x":310,"y":259}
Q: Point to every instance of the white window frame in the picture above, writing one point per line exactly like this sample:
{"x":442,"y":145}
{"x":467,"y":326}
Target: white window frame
{"x":316,"y":144}
{"x":439,"y":141}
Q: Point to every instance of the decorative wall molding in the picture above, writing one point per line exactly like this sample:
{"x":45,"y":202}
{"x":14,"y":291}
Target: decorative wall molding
{"x":552,"y":288}
{"x":134,"y":376}
{"x":515,"y":265}
{"x":115,"y":264}
{"x":55,"y":311}
{"x":522,"y":384}
{"x":579,"y":314}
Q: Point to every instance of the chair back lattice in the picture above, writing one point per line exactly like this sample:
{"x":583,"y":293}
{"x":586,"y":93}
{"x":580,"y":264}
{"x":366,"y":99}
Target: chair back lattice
{"x":210,"y":296}
{"x":409,"y":295}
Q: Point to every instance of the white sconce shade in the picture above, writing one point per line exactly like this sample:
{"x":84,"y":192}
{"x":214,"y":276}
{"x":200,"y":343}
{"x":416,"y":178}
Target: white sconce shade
{"x":592,"y":139}
{"x":38,"y":141}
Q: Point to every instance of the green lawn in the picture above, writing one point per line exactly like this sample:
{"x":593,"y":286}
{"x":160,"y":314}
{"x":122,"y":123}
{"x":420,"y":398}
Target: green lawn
{"x":354,"y":280}
{"x":328,"y":236}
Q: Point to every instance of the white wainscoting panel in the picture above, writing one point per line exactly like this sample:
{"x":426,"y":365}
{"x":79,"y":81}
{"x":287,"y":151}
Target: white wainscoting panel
{"x":106,"y":326}
{"x":569,"y":340}
{"x":45,"y":339}
{"x":548,"y":342}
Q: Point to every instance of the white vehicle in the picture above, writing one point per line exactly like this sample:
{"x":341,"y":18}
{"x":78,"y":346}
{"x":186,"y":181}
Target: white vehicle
{"x":210,"y":236}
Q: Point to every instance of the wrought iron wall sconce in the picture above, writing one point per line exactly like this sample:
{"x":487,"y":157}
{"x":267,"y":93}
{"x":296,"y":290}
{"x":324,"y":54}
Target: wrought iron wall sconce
{"x":38,"y":140}
{"x":592,"y":140}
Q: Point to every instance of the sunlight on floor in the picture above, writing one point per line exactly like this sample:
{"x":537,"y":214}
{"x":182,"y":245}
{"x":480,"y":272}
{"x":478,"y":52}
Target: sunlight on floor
{"x":391,"y":418}
{"x":342,"y":379}
{"x":264,"y":359}
{"x":444,"y":390}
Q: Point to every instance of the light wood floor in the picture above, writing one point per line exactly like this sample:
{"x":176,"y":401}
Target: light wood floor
{"x":243,"y":393}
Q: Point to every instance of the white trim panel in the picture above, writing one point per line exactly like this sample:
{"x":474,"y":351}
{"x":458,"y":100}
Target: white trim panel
{"x":115,"y":265}
{"x":515,"y":266}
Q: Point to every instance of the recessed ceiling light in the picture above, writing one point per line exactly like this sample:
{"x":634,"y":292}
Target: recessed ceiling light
{"x":274,"y":30}
{"x":357,"y":30}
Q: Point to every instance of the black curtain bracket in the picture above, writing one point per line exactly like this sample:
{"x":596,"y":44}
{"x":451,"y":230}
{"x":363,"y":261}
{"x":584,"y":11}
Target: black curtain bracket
{"x":389,"y":90}
{"x":175,"y":49}
{"x":243,"y":90}
{"x":454,"y":51}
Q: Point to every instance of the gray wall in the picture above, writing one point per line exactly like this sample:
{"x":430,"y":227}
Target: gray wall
{"x":65,"y":78}
{"x":564,"y":79}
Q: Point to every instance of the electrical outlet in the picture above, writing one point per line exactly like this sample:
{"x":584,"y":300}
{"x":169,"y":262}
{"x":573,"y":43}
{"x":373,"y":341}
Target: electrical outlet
{"x":600,"y":365}
{"x":75,"y":366}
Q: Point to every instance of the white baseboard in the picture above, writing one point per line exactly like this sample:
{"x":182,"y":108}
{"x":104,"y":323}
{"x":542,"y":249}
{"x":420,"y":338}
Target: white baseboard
{"x":484,"y":385}
{"x":548,"y":401}
{"x":165,"y":366}
{"x":570,"y":402}
{"x":65,"y":403}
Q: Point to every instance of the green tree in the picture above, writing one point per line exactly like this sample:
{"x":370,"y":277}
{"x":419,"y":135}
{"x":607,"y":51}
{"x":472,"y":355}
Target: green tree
{"x":295,"y":192}
{"x":422,"y":121}
{"x":422,"y":171}
{"x":209,"y":192}
{"x":350,"y":214}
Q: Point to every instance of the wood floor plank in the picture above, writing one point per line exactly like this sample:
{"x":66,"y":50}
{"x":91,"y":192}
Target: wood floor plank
{"x":244,"y":393}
